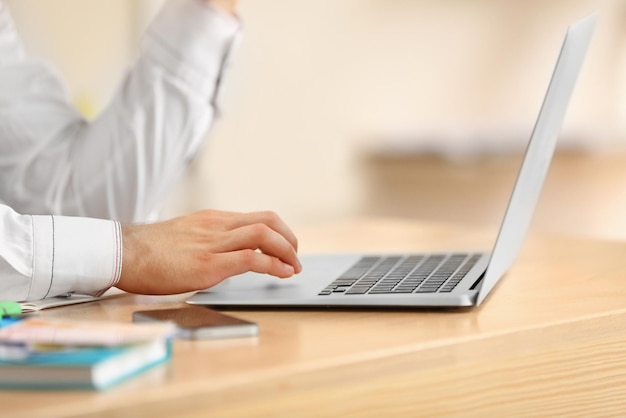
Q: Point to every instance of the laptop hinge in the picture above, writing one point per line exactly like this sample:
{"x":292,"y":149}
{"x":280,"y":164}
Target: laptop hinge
{"x":480,"y":278}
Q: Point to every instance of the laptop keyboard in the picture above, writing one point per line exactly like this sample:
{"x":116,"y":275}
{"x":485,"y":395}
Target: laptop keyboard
{"x":403,"y":274}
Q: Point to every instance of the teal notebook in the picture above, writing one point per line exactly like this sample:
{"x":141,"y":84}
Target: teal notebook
{"x":80,"y":368}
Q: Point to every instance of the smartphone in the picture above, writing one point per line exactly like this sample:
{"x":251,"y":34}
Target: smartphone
{"x":199,"y":323}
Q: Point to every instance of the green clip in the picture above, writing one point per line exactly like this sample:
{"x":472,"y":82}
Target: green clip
{"x":10,"y":309}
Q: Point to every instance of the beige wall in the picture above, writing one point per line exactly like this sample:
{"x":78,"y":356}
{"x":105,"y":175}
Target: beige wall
{"x":316,"y":82}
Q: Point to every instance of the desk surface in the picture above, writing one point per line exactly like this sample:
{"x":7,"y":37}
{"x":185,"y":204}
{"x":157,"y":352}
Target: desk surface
{"x":551,"y":338}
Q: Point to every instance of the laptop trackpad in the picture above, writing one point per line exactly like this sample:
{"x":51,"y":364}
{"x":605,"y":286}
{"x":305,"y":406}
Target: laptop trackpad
{"x":317,"y":271}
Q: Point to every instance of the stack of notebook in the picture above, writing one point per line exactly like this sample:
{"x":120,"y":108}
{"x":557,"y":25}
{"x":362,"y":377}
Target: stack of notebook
{"x":41,"y":353}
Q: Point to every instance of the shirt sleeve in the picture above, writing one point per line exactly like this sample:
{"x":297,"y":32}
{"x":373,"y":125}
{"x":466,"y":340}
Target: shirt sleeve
{"x":45,"y":256}
{"x":122,"y":164}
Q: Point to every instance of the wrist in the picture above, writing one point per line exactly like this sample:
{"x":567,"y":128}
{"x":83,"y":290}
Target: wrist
{"x":130,"y":260}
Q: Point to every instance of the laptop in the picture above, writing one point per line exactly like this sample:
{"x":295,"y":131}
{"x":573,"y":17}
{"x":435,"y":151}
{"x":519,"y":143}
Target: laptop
{"x":442,"y":279}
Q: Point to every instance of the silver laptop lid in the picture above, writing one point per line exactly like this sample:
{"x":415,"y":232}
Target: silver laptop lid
{"x":538,"y":153}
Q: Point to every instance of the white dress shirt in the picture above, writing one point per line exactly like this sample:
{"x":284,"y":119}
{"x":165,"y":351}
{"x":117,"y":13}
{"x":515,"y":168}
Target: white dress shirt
{"x":117,"y":167}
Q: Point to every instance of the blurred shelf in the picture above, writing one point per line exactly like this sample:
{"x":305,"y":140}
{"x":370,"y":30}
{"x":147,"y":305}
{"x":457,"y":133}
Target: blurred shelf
{"x":584,"y":193}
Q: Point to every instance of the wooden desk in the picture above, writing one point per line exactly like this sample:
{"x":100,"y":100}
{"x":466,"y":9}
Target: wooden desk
{"x":550,"y":340}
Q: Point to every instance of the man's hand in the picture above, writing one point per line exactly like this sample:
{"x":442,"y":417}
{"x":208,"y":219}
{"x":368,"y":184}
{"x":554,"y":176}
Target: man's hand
{"x":200,"y":250}
{"x":228,"y":6}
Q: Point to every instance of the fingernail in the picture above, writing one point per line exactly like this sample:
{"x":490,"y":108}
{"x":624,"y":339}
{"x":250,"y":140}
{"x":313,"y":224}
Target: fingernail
{"x":289,"y":269}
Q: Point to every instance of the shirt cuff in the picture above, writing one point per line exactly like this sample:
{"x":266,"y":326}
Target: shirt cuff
{"x":193,"y":40}
{"x":80,"y":255}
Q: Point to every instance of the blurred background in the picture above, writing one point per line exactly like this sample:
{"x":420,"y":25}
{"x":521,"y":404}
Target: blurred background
{"x":412,"y":108}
